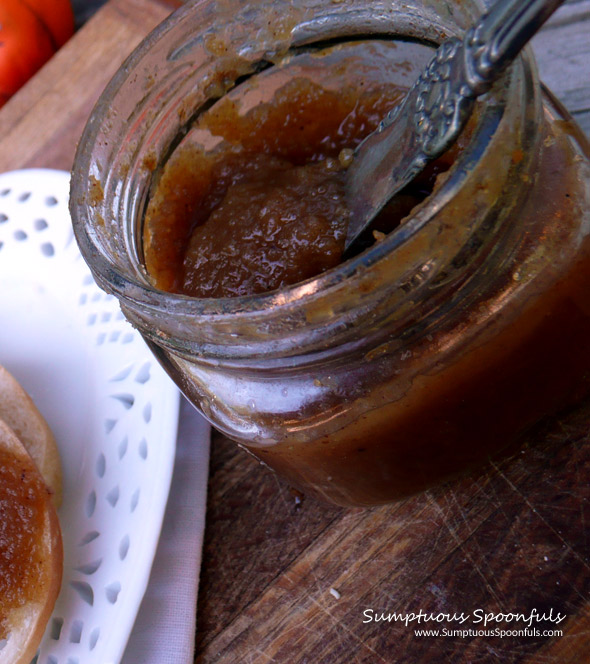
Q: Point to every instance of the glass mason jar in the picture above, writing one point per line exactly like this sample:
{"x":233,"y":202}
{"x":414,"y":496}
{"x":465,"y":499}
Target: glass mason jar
{"x":426,"y":354}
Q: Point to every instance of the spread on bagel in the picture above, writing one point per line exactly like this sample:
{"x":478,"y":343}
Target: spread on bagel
{"x":31,"y":550}
{"x":23,"y":498}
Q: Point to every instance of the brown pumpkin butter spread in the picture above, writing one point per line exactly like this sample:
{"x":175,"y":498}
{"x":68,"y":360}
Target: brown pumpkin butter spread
{"x":21,"y":520}
{"x":280,"y":225}
{"x":266,"y":207}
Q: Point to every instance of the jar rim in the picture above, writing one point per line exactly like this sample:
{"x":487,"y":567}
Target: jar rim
{"x":135,"y":291}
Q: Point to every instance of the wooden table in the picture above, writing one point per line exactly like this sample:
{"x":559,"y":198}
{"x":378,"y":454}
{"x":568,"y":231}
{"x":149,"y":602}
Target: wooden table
{"x":286,"y":581}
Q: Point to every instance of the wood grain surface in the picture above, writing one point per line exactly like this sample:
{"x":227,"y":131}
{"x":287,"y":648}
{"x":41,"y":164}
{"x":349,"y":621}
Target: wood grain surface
{"x":286,"y":579}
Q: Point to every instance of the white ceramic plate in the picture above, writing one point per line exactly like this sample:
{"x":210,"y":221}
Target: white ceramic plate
{"x":111,"y":407}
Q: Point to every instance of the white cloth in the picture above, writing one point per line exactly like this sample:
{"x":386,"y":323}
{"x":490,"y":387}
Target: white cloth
{"x":164,"y":631}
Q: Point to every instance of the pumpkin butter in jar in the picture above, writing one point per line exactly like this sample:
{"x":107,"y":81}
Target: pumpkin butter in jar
{"x":461,"y":322}
{"x":477,"y":363}
{"x":265,"y":207}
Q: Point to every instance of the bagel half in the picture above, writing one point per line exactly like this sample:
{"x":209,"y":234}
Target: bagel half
{"x":23,"y":417}
{"x":31,"y":552}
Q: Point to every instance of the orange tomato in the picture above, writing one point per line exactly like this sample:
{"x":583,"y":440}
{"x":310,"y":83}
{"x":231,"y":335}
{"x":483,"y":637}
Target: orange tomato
{"x":29,"y":36}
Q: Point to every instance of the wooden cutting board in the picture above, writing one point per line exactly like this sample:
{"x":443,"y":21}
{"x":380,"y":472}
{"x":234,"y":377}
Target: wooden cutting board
{"x":288,"y":580}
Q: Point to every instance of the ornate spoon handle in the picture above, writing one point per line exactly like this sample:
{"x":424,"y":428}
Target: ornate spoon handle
{"x":436,"y":108}
{"x":492,"y":44}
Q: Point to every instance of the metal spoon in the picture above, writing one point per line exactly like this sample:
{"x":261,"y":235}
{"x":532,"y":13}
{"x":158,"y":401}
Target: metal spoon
{"x":437,"y":106}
